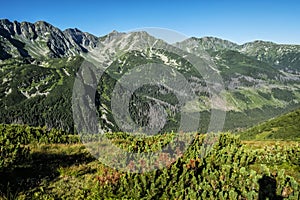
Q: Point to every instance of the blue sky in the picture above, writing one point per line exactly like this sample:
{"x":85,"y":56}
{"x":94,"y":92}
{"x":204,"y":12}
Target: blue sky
{"x":238,"y":21}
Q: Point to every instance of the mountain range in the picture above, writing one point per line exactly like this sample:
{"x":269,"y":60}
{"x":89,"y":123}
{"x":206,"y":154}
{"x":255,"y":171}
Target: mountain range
{"x":39,"y":64}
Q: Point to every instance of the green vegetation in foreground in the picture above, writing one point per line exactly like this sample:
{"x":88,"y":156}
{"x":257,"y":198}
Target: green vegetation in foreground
{"x":285,"y":127}
{"x":232,"y":170}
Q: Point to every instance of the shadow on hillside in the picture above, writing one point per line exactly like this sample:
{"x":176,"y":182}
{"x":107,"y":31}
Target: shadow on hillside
{"x":42,"y":167}
{"x":267,"y":189}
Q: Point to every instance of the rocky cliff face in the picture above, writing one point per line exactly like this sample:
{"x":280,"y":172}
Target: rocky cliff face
{"x":42,"y":39}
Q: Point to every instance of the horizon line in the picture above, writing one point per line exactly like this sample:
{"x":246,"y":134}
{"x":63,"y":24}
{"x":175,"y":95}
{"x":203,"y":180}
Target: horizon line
{"x":141,"y":29}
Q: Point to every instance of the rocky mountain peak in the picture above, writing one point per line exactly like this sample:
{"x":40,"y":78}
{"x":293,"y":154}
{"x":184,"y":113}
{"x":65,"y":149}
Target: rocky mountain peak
{"x":41,"y":39}
{"x":194,"y":44}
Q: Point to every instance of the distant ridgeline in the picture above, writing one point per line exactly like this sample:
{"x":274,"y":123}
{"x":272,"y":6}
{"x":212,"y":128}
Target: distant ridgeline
{"x":39,"y":62}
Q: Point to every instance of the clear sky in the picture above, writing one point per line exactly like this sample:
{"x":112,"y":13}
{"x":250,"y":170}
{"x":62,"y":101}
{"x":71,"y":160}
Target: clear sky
{"x":239,"y":21}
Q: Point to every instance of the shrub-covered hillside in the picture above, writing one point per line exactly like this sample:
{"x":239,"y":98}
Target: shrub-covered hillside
{"x":283,"y":127}
{"x":37,"y":165}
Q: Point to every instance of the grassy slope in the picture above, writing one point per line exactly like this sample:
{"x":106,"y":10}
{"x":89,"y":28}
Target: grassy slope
{"x":283,"y":127}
